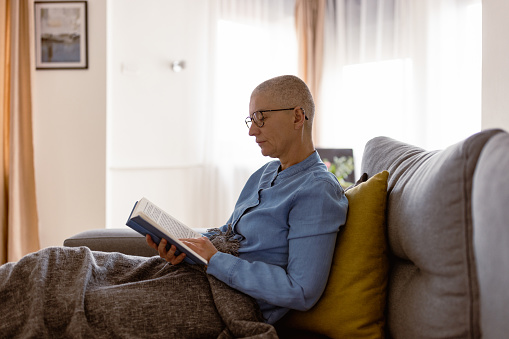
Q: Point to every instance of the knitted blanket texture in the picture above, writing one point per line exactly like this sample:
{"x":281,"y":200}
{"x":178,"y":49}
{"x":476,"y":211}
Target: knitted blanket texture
{"x":61,"y":292}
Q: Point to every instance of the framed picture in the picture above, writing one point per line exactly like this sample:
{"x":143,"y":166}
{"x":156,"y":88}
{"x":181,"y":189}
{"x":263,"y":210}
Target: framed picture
{"x":61,"y":40}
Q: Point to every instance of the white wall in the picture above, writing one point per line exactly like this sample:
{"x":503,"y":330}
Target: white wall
{"x":69,"y":119}
{"x":156,"y":128}
{"x":495,"y":80}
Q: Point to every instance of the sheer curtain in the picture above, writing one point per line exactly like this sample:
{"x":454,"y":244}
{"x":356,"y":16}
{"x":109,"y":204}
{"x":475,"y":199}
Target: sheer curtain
{"x":408,"y":69}
{"x":253,"y":41}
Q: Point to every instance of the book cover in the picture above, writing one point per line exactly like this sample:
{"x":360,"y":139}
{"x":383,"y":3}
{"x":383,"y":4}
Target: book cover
{"x":147,"y":218}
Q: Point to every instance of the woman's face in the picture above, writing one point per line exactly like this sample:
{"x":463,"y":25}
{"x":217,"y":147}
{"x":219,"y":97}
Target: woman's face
{"x":274,"y":137}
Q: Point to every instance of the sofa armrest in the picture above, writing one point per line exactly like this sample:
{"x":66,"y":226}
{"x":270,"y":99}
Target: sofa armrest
{"x":123,"y":240}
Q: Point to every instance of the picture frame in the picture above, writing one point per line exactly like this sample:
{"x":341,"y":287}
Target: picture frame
{"x":61,"y":36}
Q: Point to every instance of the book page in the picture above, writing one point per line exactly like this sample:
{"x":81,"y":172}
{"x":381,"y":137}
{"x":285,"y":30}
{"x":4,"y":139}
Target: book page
{"x":167,"y":222}
{"x":178,"y":229}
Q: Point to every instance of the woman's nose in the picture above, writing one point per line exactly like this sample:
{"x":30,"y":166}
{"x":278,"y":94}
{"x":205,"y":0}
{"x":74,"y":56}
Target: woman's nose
{"x":253,"y":129}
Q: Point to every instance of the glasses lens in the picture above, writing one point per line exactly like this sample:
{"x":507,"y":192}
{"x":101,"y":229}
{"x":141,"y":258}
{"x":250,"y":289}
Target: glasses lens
{"x":258,"y":118}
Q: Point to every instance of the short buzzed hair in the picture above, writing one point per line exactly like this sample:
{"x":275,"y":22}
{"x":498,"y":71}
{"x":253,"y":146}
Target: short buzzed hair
{"x":288,"y":91}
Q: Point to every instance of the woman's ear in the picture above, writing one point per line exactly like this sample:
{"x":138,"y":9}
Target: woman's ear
{"x":299,"y":117}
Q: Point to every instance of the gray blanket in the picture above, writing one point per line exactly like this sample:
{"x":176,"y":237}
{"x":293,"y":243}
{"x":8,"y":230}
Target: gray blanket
{"x":77,"y":293}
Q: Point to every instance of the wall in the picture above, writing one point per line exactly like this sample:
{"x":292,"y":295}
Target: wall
{"x":495,"y":80}
{"x":156,"y":129}
{"x":69,"y":116}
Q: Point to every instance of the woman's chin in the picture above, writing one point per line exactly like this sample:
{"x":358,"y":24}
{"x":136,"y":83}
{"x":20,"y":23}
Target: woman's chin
{"x":265,"y":153}
{"x":268,"y":154}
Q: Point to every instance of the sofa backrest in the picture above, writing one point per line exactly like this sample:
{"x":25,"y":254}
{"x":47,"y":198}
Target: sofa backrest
{"x":490,"y":211}
{"x":433,"y":286}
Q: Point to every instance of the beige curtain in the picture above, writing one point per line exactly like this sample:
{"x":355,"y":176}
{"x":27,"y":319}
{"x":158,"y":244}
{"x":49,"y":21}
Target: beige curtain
{"x":19,"y":220}
{"x":309,"y":21}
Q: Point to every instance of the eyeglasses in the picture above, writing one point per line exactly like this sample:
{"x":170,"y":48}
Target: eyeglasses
{"x":259,"y":119}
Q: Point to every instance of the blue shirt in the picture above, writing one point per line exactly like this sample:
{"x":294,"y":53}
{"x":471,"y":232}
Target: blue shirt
{"x":287,"y":224}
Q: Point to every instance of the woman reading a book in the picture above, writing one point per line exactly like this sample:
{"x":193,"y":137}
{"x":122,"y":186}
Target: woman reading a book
{"x":282,"y":231}
{"x":288,"y":214}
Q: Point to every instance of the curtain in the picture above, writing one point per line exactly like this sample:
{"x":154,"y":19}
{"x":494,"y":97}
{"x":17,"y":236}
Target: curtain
{"x":4,"y":98}
{"x":408,"y":69}
{"x":309,"y":21}
{"x":251,"y":41}
{"x":19,"y":220}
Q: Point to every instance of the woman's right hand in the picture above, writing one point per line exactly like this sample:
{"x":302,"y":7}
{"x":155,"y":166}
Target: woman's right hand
{"x":169,"y":255}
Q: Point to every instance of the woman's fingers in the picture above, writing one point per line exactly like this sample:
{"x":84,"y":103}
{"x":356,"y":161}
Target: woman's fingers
{"x":150,"y":242}
{"x":169,"y":255}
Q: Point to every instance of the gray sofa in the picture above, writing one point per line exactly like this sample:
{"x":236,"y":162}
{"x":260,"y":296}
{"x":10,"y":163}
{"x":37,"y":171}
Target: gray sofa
{"x":448,"y":233}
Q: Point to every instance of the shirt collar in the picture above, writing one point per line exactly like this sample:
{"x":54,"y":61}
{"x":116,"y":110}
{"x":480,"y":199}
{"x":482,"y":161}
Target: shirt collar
{"x":299,"y":167}
{"x":273,"y":175}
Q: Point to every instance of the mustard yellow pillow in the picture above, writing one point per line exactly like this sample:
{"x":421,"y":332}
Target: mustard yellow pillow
{"x":353,"y":303}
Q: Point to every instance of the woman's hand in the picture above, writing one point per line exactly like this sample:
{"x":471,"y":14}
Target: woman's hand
{"x":169,"y":255}
{"x":202,"y":246}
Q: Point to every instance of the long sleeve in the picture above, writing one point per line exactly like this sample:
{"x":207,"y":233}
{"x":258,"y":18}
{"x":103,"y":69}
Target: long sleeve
{"x":298,"y":288}
{"x":287,"y":225}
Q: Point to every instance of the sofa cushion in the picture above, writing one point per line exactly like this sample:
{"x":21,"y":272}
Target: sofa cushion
{"x":433,"y":284}
{"x":353,"y":303}
{"x":490,"y":210}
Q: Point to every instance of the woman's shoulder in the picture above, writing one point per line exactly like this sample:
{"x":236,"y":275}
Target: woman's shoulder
{"x":320,"y":173}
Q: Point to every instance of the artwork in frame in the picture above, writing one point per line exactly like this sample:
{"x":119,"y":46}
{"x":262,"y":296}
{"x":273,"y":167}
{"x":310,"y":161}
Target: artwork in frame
{"x":340,"y":162}
{"x":61,"y":40}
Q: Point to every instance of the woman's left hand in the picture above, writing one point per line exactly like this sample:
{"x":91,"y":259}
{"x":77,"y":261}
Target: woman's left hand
{"x":202,"y":246}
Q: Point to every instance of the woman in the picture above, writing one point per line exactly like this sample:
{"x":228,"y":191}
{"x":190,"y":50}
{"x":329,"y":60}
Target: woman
{"x":284,"y":228}
{"x":288,"y":214}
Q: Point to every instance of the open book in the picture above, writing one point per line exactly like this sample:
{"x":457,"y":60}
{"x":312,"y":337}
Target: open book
{"x":147,"y":218}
